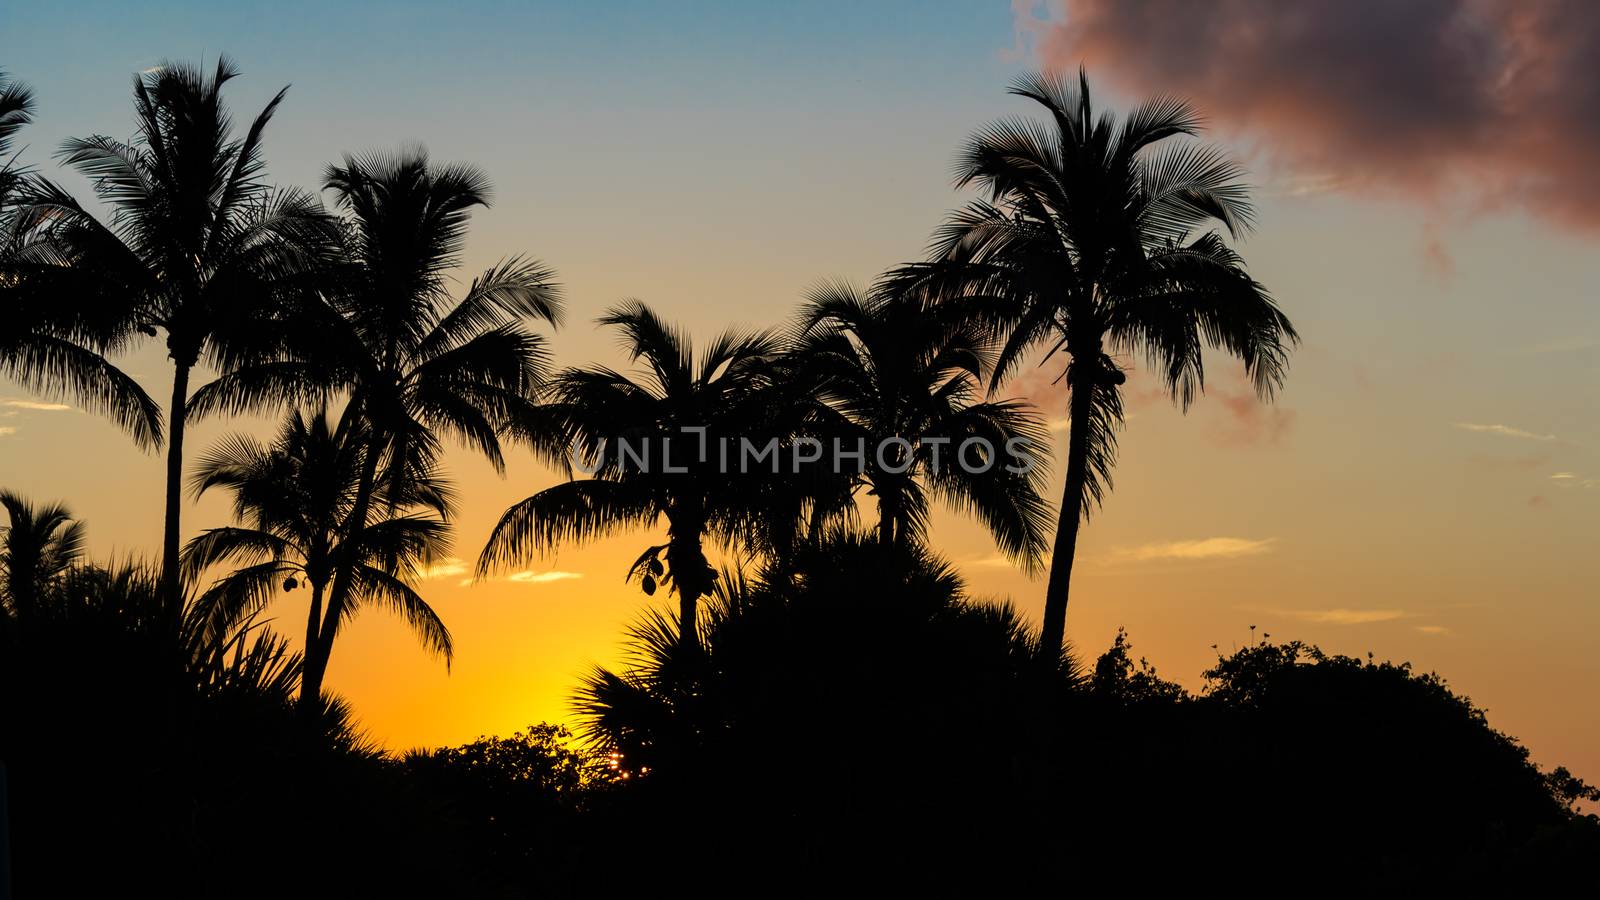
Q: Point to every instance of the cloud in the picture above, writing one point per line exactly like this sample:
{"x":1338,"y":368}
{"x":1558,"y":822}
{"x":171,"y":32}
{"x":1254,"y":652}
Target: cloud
{"x":1433,"y":629}
{"x":7,"y":430}
{"x":444,"y":568}
{"x":34,"y":405}
{"x":1205,"y":548}
{"x":1505,"y":431}
{"x":1342,"y":616}
{"x":1561,"y":345}
{"x":542,"y":577}
{"x":1435,"y":100}
{"x":1250,"y":421}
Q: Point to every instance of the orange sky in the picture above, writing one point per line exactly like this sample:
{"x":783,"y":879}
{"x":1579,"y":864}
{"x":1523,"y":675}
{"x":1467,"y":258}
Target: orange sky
{"x":1427,"y":488}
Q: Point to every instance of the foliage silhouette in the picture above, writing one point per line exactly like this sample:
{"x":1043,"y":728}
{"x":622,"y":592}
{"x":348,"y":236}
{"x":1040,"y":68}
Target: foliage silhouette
{"x":38,"y":546}
{"x":16,"y":110}
{"x":730,"y":392}
{"x":841,"y":712}
{"x":416,"y":363}
{"x":197,"y":246}
{"x":45,"y":345}
{"x":1091,"y":241}
{"x":895,"y":367}
{"x":296,"y":502}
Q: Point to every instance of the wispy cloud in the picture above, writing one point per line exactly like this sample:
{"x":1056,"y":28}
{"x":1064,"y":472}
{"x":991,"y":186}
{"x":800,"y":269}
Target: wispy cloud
{"x":1573,"y":479}
{"x":6,"y":429}
{"x":542,"y":577}
{"x":1561,"y":345}
{"x":34,"y":405}
{"x":1204,"y":548}
{"x":1342,"y":616}
{"x":1505,"y":431}
{"x":444,"y":568}
{"x":1433,"y":629}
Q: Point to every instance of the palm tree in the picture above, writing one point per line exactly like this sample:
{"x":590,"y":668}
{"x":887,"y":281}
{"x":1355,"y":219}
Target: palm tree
{"x":1093,"y":241}
{"x":16,"y":110}
{"x":898,"y":367}
{"x":197,"y":246}
{"x":44,"y":345}
{"x":606,"y":416}
{"x":415,"y":362}
{"x":37,"y":548}
{"x":294,"y":500}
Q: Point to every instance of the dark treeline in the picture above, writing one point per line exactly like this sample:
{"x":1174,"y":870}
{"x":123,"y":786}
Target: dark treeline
{"x":835,"y":714}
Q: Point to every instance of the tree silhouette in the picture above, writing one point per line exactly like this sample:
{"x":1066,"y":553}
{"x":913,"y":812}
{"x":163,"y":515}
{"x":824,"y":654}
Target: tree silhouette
{"x":415,"y":362}
{"x":197,"y":245}
{"x":37,"y":547}
{"x":16,"y":110}
{"x":1089,"y":242}
{"x":46,"y":345}
{"x":849,"y":708}
{"x":295,"y":500}
{"x":897,"y":368}
{"x":729,"y":392}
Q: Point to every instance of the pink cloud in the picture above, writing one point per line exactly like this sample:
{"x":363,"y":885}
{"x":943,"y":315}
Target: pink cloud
{"x":1496,"y":105}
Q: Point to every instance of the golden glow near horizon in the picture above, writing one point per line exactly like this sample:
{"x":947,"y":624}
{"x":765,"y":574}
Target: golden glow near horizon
{"x":1427,"y":487}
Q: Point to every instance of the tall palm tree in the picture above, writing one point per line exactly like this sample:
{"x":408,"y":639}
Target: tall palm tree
{"x":294,"y":500}
{"x":37,"y":547}
{"x":416,"y":362}
{"x":45,"y":345}
{"x":898,"y":367}
{"x":606,"y":415}
{"x":1097,"y":238}
{"x":197,"y":246}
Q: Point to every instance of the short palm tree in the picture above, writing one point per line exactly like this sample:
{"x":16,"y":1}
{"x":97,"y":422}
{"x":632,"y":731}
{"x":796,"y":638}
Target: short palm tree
{"x":45,"y":345}
{"x":197,"y":246}
{"x":604,"y":415}
{"x":1095,"y":239}
{"x":37,"y":547}
{"x":294,"y":500}
{"x":905,"y":379}
{"x":416,"y":362}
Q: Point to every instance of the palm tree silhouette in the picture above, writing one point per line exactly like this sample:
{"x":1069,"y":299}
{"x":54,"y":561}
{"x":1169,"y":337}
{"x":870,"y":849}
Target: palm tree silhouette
{"x":197,"y":245}
{"x":294,"y":500}
{"x":37,"y":548}
{"x":416,"y":362}
{"x":46,"y":346}
{"x":16,"y":110}
{"x":729,"y":392}
{"x":898,"y":367}
{"x":1088,"y":244}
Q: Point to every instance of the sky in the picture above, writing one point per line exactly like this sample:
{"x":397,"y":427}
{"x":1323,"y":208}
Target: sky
{"x":1426,"y":488}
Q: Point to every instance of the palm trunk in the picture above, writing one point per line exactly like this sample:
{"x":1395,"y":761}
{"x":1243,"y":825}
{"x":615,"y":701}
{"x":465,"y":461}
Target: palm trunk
{"x":692,"y":576}
{"x":319,"y":642}
{"x":885,"y":523}
{"x":344,"y":572}
{"x":1053,"y":630}
{"x":170,"y":530}
{"x":313,"y":666}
